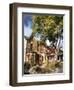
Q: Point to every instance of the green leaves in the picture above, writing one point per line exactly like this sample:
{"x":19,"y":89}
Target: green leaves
{"x":47,"y":25}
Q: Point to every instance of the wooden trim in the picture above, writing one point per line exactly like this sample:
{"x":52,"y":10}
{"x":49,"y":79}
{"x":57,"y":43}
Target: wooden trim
{"x":70,"y":40}
{"x":13,"y":45}
{"x":42,"y":6}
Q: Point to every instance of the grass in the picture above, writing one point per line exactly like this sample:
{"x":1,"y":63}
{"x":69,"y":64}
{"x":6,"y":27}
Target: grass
{"x":51,"y":66}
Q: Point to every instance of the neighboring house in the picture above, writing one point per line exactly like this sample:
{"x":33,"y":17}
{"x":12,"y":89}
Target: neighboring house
{"x":25,"y":43}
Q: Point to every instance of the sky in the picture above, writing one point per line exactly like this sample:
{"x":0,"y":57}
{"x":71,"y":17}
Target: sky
{"x":27,"y":21}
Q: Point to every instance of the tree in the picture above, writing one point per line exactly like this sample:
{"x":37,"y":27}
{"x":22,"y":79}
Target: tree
{"x":47,"y":26}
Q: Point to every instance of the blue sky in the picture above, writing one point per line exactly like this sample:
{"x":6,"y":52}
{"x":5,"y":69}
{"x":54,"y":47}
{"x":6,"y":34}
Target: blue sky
{"x":27,"y":21}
